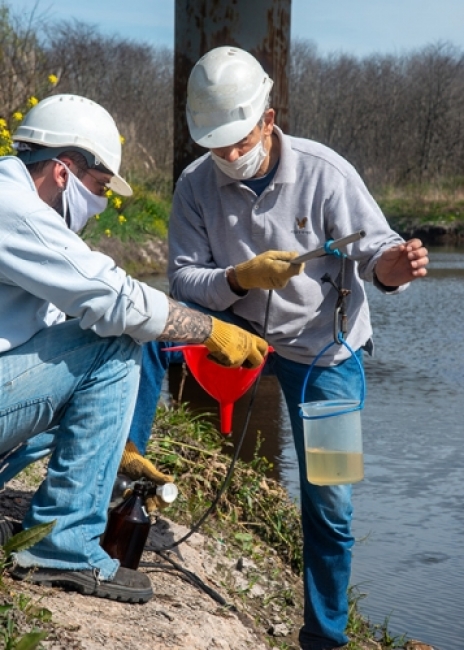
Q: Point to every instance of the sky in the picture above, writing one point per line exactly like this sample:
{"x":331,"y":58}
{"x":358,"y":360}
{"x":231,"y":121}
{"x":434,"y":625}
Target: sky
{"x":356,"y":27}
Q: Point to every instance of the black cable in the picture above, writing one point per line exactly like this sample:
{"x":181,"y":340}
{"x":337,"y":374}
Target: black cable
{"x":190,"y":576}
{"x":230,"y":471}
{"x":194,"y":580}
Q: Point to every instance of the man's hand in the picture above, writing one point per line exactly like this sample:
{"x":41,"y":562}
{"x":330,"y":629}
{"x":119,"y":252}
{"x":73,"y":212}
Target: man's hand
{"x":234,"y":347}
{"x":402,"y":264}
{"x":270,"y":270}
{"x":135,"y":466}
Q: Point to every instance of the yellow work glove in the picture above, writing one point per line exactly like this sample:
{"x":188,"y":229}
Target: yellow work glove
{"x":153,"y":503}
{"x":270,"y":270}
{"x":135,"y":466}
{"x":234,"y":347}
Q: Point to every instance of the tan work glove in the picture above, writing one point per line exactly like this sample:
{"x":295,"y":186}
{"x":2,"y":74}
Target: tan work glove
{"x":234,"y":347}
{"x":270,"y":270}
{"x":135,"y":466}
{"x":154,"y":503}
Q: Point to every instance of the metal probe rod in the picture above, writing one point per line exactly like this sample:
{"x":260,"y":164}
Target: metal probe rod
{"x":337,"y":243}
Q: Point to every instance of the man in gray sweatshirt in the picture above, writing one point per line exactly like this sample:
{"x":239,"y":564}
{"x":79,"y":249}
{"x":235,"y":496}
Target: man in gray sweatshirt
{"x":241,"y":214}
{"x":70,"y":385}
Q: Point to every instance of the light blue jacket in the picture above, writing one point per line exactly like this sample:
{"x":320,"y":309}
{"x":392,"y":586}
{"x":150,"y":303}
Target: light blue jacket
{"x":47,"y":271}
{"x":315,"y":195}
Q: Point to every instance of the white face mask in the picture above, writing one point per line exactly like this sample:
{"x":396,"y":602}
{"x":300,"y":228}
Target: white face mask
{"x":244,"y":167}
{"x":79,"y":203}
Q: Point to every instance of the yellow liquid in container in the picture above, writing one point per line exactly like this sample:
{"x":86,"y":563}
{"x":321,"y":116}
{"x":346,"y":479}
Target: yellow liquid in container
{"x":327,"y":467}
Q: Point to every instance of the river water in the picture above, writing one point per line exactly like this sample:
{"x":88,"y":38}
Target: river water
{"x":408,"y":561}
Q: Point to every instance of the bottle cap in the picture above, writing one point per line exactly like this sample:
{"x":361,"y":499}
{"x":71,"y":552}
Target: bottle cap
{"x":167,"y":492}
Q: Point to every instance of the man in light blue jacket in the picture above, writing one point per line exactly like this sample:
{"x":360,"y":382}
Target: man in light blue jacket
{"x":69,"y":385}
{"x":241,"y":214}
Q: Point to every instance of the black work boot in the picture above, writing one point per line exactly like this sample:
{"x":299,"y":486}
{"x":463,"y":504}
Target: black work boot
{"x":127,"y":586}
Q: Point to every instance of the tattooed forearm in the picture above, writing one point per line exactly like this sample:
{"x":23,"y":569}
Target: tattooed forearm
{"x":184,"y":324}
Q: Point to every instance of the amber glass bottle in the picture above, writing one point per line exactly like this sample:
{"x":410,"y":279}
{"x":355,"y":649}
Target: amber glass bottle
{"x":127,"y":529}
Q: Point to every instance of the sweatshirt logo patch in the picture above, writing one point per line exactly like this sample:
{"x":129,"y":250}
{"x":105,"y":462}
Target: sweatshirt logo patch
{"x":300,"y":226}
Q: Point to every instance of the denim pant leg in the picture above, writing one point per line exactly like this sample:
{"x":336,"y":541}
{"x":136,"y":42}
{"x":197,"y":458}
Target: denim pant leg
{"x":326,"y":511}
{"x":83,"y":387}
{"x":155,"y":362}
{"x":14,"y":461}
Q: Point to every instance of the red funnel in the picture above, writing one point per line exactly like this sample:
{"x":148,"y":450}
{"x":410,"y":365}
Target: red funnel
{"x":226,"y":385}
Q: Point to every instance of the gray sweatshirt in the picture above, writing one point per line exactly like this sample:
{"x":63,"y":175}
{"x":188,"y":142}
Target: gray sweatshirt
{"x":47,"y":271}
{"x":315,"y":195}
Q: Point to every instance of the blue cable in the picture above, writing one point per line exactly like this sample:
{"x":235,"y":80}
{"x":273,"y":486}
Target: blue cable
{"x":337,"y":253}
{"x":305,"y":383}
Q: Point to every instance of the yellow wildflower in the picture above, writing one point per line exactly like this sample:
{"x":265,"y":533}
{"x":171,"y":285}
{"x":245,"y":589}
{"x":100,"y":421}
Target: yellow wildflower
{"x":2,"y":123}
{"x":32,"y":101}
{"x":53,"y":79}
{"x":108,"y":232}
{"x":122,"y":218}
{"x":122,"y":139}
{"x":117,"y":202}
{"x":18,"y":116}
{"x":108,"y":193}
{"x":97,"y":217}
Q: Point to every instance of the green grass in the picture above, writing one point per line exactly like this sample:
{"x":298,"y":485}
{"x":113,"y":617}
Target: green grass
{"x":21,"y":619}
{"x":254,"y":506}
{"x":443,"y":203}
{"x":145,"y":213}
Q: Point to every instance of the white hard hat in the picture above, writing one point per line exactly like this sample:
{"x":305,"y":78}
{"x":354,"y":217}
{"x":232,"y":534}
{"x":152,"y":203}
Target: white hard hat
{"x":227,"y":93}
{"x":69,"y":122}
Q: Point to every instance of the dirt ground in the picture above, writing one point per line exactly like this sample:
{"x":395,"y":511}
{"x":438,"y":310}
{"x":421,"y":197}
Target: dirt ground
{"x":191,"y":584}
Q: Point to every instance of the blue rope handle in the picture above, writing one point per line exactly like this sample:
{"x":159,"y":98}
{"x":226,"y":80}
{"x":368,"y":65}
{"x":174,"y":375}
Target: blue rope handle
{"x":305,"y":383}
{"x":332,"y":251}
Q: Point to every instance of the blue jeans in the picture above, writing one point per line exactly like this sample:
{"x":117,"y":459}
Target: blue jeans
{"x":70,"y":393}
{"x":155,"y":362}
{"x":326,"y":511}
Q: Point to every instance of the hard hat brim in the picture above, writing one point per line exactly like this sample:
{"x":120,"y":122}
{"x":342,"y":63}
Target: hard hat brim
{"x":221,"y":136}
{"x":120,"y":186}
